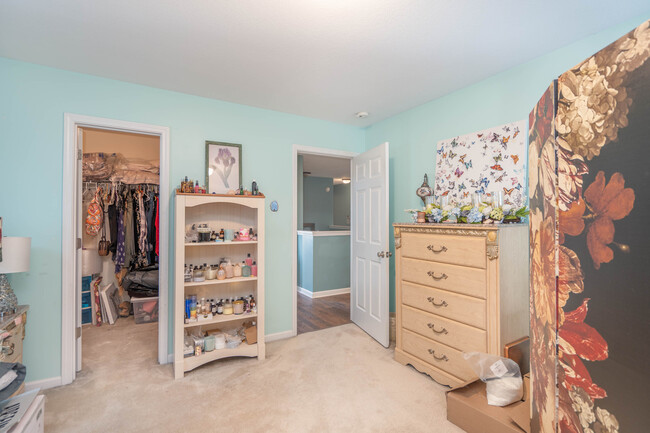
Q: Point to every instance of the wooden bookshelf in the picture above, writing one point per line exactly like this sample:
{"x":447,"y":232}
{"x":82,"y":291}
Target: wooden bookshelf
{"x":227,"y":212}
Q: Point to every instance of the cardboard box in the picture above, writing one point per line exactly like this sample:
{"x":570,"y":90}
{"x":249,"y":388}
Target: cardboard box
{"x":251,"y":333}
{"x":467,"y":407}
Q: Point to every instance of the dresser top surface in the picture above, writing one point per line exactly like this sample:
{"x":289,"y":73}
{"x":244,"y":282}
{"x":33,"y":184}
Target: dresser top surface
{"x":459,"y":226}
{"x":9,"y":317}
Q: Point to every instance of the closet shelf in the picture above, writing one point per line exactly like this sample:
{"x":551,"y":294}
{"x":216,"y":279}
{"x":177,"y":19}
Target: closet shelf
{"x":221,"y":319}
{"x":243,"y":349}
{"x":216,"y":244}
{"x":226,"y":281}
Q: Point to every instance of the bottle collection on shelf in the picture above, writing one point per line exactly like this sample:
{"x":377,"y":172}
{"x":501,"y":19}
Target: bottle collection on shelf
{"x":224,"y":270}
{"x":189,"y":186}
{"x":206,"y":309}
{"x":202,"y":233}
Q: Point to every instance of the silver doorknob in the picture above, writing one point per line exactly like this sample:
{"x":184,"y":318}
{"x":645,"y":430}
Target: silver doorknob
{"x":380,"y":254}
{"x":389,"y":254}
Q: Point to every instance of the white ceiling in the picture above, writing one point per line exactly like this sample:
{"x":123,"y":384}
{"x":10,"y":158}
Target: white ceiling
{"x":325,"y":166}
{"x":326,"y":59}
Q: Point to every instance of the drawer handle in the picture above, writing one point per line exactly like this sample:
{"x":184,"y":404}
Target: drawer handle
{"x":432,"y":326}
{"x":8,"y":350}
{"x":433,"y":275}
{"x":438,"y":358}
{"x":433,"y":301}
{"x":435,"y":250}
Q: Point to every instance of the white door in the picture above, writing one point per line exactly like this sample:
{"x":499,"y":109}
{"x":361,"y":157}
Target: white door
{"x":78,"y":264}
{"x":369,"y":230}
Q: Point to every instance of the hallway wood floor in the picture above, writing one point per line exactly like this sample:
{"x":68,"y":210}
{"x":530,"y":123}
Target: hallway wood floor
{"x":321,"y":313}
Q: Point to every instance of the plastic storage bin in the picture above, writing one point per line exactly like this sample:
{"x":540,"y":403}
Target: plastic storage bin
{"x":145,"y":310}
{"x":86,"y":316}
{"x":85,"y":283}
{"x":86,"y":300}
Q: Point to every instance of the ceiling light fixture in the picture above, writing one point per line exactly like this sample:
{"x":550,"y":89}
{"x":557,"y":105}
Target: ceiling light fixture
{"x":345,"y":180}
{"x":362,"y":114}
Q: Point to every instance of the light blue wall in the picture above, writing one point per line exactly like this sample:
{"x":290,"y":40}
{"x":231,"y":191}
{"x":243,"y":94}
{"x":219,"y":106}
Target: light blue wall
{"x":306,"y":262}
{"x":300,"y":205}
{"x":331,"y":262}
{"x":341,"y":204}
{"x":318,"y":204}
{"x":323,"y":262}
{"x":33,"y":100}
{"x":503,"y":98}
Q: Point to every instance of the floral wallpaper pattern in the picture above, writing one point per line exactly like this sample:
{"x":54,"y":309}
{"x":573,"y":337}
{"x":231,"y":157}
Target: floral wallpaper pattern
{"x":565,"y":138}
{"x":483,"y":162}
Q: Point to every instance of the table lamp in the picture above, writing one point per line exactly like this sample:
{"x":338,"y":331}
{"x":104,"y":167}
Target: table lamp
{"x":15,"y":258}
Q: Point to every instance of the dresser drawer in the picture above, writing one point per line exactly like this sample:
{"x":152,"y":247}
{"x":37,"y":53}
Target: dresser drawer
{"x":468,"y":281}
{"x":460,"y":308}
{"x":449,"y":332}
{"x":13,"y":345}
{"x":440,"y":356}
{"x":457,"y":250}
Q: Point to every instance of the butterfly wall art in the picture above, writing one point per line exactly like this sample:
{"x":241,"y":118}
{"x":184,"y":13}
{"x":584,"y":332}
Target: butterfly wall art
{"x":484,"y":162}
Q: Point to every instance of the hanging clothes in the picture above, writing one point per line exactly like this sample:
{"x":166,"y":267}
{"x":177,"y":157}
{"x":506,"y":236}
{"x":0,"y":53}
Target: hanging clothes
{"x":120,"y":247}
{"x":150,"y":210}
{"x":95,"y":214}
{"x":129,"y":236}
{"x":157,"y":226}
{"x":112,"y":228}
{"x":131,"y":213}
{"x":142,"y":232}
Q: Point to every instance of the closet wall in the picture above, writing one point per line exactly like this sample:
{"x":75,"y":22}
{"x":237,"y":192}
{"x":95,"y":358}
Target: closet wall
{"x":128,"y":144}
{"x":138,"y":146}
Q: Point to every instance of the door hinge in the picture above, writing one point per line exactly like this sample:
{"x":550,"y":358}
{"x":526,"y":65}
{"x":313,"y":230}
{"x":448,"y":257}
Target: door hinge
{"x":77,"y":332}
{"x":80,"y":154}
{"x":78,"y":243}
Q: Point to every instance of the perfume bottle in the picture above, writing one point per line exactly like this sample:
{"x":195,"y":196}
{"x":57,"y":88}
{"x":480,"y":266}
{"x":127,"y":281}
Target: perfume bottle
{"x":245,"y":270}
{"x":249,"y":260}
{"x":254,"y":269}
{"x":230,"y":271}
{"x":227,"y":308}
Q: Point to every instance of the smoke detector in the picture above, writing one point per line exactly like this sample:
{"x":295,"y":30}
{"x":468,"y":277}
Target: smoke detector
{"x":361,"y":114}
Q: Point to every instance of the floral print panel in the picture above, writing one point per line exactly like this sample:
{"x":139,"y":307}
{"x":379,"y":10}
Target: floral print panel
{"x":483,"y":162}
{"x":602,"y":140}
{"x":543,"y":229}
{"x":589,"y":192}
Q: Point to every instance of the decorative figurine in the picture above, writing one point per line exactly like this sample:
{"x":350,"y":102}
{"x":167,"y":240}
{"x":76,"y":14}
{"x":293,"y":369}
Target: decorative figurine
{"x":424,"y":190}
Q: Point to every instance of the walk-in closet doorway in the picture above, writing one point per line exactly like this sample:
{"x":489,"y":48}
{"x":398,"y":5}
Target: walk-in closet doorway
{"x":73,"y":221}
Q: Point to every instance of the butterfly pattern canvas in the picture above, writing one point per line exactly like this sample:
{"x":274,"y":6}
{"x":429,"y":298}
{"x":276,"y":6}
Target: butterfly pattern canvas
{"x":484,"y":162}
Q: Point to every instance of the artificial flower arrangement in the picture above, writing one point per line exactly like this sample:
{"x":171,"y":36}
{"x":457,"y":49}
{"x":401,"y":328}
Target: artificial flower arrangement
{"x":483,"y":213}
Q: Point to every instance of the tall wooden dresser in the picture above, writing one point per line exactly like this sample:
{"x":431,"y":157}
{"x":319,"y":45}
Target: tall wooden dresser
{"x":459,"y":288}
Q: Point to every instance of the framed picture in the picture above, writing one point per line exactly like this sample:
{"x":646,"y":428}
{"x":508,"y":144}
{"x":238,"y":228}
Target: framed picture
{"x":222,"y":167}
{"x":0,"y":239}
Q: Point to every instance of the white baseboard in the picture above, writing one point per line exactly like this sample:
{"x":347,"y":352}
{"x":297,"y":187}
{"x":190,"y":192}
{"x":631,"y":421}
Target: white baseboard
{"x":51,"y":382}
{"x":323,"y":293}
{"x":278,"y":336}
{"x":304,"y":291}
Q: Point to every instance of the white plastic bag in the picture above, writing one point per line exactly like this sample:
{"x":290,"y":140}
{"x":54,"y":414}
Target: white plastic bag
{"x":501,"y":376}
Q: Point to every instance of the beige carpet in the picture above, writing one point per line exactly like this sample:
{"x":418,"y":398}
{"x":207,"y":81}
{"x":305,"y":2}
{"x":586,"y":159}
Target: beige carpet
{"x":335,"y":380}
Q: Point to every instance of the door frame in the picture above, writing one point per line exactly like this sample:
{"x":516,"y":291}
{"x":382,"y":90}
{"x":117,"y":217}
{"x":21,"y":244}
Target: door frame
{"x":71,"y":228}
{"x":304,"y":150}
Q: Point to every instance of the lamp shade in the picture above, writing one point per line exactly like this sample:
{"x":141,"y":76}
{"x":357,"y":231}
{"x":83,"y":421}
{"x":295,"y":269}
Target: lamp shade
{"x":15,"y":255}
{"x":91,"y":262}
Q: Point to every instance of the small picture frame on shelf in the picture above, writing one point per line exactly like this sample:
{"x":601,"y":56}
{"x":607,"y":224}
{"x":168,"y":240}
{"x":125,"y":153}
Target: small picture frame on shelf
{"x":223,"y":167}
